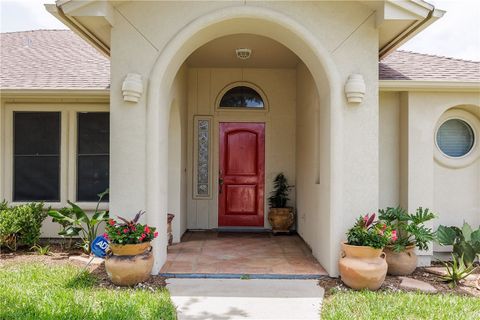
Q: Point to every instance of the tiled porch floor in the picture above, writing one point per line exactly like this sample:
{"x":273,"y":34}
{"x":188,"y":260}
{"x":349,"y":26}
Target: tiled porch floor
{"x":241,"y":253}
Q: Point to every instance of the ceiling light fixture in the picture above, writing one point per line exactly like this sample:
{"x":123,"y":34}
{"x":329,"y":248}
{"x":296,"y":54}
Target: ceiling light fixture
{"x":243,"y":53}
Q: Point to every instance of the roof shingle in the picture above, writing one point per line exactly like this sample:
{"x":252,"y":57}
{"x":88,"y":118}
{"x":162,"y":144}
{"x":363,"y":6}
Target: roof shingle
{"x":59,"y":59}
{"x":50,"y":59}
{"x":405,"y":65}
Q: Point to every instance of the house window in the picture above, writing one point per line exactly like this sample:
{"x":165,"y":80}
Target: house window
{"x":92,"y":155}
{"x":36,"y":156}
{"x":242,"y":97}
{"x":455,"y":138}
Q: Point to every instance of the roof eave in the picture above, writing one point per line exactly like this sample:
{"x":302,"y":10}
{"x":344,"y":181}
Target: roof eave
{"x":80,"y":29}
{"x":63,"y":92}
{"x":429,"y":85}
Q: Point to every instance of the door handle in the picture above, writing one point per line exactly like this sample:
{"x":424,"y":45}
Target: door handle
{"x":220,"y":185}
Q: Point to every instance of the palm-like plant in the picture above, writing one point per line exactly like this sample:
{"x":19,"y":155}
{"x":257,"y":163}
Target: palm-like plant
{"x":279,"y":195}
{"x":76,"y":222}
{"x":410,"y":227}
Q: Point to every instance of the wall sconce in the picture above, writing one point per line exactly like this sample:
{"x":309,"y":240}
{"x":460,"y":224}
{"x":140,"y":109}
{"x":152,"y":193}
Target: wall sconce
{"x":355,"y":88}
{"x":132,"y":87}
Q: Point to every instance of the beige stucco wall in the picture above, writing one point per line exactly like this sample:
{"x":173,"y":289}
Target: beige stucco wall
{"x":204,"y":88}
{"x":410,"y":175}
{"x":389,"y":149}
{"x":177,"y":154}
{"x":334,"y":39}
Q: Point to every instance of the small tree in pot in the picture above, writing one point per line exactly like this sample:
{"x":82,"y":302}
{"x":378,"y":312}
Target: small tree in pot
{"x":280,"y":216}
{"x":401,"y":256}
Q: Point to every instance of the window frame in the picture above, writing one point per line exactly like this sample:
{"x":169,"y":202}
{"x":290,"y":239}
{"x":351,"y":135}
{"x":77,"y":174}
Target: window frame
{"x":68,"y":149}
{"x":242,"y":109}
{"x":470,"y":156}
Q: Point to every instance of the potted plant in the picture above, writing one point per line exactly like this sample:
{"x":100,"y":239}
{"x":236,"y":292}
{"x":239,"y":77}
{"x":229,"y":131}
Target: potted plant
{"x":280,"y":216}
{"x":130,"y":259}
{"x":411,"y":233}
{"x":362,"y":263}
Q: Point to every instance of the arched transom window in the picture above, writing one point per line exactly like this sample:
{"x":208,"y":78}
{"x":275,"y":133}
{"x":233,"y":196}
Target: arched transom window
{"x":242,"y":97}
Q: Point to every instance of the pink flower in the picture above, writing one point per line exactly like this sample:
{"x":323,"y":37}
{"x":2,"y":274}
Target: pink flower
{"x":143,"y":235}
{"x":105,"y":235}
{"x":111,"y":222}
{"x":155,"y":234}
{"x":125,"y":230}
{"x":147,"y":229}
{"x":133,"y":228}
{"x":394,"y":235}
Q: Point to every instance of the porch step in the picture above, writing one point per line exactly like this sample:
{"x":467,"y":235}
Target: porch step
{"x":241,"y":276}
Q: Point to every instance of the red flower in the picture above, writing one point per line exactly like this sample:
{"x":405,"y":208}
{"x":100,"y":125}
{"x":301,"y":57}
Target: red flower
{"x":105,"y":235}
{"x":133,"y":228}
{"x":394,"y":235}
{"x":143,"y":235}
{"x":111,"y":222}
{"x":125,"y":230}
{"x":118,"y":232}
{"x":147,"y":229}
{"x":155,"y":234}
{"x":140,"y":239}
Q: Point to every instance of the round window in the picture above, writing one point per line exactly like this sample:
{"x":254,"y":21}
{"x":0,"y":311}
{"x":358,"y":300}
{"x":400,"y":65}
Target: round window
{"x":455,"y":138}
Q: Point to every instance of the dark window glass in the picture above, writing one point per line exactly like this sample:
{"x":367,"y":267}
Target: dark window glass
{"x":93,"y":150}
{"x":36,"y":156}
{"x":241,"y":97}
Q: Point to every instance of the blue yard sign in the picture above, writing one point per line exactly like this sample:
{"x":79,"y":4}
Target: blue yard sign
{"x":100,"y":246}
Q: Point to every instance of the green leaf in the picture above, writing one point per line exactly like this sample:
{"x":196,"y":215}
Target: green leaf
{"x":70,"y":231}
{"x":100,"y":215}
{"x":475,"y":236}
{"x":79,"y":213}
{"x":467,"y":231}
{"x":465,"y":250}
{"x":446,"y":235}
{"x":59,"y":216}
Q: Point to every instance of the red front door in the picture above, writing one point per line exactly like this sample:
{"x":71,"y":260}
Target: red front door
{"x":242,"y":174}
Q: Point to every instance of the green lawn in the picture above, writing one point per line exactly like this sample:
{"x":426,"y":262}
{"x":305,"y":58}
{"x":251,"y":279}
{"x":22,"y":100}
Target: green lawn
{"x":36,"y":291}
{"x":400,"y":305}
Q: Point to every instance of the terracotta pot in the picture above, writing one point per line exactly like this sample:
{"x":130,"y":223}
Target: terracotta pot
{"x":362,"y":267}
{"x":401,"y":263}
{"x":281,"y":219}
{"x":129,"y":264}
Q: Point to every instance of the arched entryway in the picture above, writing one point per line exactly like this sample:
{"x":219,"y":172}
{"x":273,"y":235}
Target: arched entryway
{"x":325,"y":193}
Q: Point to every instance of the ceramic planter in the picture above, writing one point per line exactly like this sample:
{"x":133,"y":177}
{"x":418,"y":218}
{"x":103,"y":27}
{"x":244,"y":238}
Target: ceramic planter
{"x":129,"y":264}
{"x":401,"y":263}
{"x":281,"y":219}
{"x":362,"y":267}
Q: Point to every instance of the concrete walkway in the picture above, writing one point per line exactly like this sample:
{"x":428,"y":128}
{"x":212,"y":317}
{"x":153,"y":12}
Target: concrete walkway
{"x":228,"y":299}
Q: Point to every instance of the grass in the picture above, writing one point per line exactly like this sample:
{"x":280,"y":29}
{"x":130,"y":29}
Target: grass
{"x":36,"y":291}
{"x":399,"y":306}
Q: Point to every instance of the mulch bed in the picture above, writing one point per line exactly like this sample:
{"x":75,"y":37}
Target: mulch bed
{"x":392,"y":284}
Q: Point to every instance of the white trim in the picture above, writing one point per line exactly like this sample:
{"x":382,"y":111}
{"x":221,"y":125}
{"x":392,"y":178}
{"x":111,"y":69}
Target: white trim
{"x":420,"y":85}
{"x":17,"y":92}
{"x":68,"y":151}
{"x":473,"y":154}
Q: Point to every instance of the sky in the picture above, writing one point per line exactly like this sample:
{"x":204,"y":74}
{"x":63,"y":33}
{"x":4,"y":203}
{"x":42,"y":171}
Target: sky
{"x":457,"y":34}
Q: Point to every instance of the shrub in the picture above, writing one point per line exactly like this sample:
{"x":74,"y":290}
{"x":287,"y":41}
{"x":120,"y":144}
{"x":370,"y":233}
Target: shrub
{"x":367,"y":232}
{"x":20,"y":225}
{"x":410,"y":227}
{"x":279,"y":195}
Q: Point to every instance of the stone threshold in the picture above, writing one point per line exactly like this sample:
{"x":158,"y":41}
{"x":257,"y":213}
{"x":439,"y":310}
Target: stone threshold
{"x":242,"y":276}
